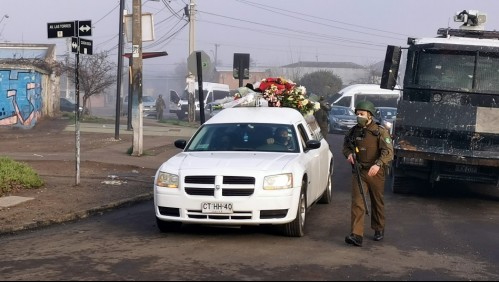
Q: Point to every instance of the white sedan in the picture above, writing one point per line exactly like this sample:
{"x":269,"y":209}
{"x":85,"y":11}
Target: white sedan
{"x":246,"y":166}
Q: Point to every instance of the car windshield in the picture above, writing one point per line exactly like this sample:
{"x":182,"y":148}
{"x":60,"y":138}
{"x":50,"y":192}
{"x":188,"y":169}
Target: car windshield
{"x":340,"y":111}
{"x":387,"y":113}
{"x":148,"y":99}
{"x":264,"y":137}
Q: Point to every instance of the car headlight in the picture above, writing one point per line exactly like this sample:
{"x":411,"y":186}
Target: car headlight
{"x":388,"y":124}
{"x":280,"y":181}
{"x":167,"y":180}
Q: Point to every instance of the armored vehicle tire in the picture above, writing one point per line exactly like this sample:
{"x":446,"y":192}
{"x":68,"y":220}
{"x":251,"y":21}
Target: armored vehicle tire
{"x":168,"y":226}
{"x":296,"y":228}
{"x":402,"y":184}
{"x":398,"y":184}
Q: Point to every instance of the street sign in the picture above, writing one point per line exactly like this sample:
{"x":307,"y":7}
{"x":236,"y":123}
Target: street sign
{"x":74,"y":44}
{"x":85,"y":46}
{"x":241,"y":65}
{"x":61,"y":29}
{"x":192,"y":63}
{"x":84,"y":28}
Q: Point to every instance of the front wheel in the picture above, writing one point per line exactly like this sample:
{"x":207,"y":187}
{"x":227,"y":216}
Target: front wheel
{"x":296,"y":228}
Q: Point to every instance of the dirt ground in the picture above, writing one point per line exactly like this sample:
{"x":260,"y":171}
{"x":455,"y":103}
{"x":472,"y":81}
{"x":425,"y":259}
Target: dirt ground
{"x":101,"y":184}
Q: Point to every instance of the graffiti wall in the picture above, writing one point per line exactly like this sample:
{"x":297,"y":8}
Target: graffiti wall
{"x":20,"y":98}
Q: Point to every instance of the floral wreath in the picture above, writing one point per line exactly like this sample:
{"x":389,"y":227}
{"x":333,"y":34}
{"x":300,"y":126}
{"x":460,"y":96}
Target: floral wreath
{"x":280,"y":92}
{"x":274,"y":92}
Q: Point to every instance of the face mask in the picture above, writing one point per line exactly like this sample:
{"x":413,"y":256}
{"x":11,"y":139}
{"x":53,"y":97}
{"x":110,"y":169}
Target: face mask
{"x":362,"y":121}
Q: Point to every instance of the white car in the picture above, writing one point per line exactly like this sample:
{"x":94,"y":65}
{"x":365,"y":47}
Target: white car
{"x":233,"y":171}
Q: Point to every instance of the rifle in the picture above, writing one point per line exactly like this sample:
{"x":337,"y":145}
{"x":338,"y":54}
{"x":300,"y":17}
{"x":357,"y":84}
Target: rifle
{"x":361,"y":185}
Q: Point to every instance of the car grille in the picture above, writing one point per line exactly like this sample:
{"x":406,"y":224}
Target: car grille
{"x":232,"y":186}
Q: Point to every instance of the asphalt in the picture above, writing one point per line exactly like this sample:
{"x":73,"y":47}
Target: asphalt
{"x":154,"y":136}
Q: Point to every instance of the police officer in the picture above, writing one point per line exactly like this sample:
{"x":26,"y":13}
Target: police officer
{"x":371,"y":144}
{"x":321,"y":116}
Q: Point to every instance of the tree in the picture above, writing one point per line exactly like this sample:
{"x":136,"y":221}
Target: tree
{"x":322,"y":83}
{"x":96,"y":74}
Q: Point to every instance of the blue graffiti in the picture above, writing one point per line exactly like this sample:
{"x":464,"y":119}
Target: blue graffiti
{"x":20,"y":97}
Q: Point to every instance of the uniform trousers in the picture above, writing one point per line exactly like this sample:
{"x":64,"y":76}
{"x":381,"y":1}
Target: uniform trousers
{"x":374,"y":187}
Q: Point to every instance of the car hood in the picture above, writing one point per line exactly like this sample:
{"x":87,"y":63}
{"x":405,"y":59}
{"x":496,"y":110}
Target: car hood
{"x":228,"y":161}
{"x":344,"y":117}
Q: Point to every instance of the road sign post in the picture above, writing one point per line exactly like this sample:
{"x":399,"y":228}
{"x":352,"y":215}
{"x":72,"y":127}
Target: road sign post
{"x":74,"y":29}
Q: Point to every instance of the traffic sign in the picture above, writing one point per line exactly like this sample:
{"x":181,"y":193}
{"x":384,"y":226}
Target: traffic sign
{"x":61,"y":29}
{"x":74,"y":44}
{"x":85,"y":46}
{"x":192,"y":63}
{"x":84,"y":28}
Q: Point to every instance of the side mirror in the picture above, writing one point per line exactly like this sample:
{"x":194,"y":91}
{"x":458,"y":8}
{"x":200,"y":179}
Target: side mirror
{"x":391,"y":67}
{"x":313,"y":144}
{"x":180,"y":143}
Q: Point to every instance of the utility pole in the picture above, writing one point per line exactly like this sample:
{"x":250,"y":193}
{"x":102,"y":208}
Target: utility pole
{"x":191,"y":80}
{"x":216,"y":55}
{"x":119,"y":75}
{"x":137,"y":121}
{"x":68,"y":44}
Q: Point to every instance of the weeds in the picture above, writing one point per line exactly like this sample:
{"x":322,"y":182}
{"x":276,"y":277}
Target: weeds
{"x":17,"y":175}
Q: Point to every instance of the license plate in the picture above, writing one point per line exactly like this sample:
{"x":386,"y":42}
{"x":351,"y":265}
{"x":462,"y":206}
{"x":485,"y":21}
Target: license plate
{"x":466,"y":169}
{"x":216,"y":207}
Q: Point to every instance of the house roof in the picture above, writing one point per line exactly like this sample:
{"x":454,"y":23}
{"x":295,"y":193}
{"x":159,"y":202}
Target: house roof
{"x":26,"y":51}
{"x":329,"y":65}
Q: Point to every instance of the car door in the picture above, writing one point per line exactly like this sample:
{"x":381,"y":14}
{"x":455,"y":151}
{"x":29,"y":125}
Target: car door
{"x":174,"y":99}
{"x":312,"y":161}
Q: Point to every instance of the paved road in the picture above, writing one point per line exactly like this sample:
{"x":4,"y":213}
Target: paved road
{"x":449,"y":235}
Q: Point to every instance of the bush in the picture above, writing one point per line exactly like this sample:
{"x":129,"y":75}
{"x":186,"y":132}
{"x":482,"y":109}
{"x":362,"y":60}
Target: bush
{"x":17,"y":175}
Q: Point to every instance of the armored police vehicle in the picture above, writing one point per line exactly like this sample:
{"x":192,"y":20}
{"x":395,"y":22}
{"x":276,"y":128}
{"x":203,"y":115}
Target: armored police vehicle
{"x":447,"y":124}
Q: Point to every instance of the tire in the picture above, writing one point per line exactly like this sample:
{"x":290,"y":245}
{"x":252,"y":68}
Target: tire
{"x":168,"y":226}
{"x":296,"y":228}
{"x":400,"y":184}
{"x":327,"y":196}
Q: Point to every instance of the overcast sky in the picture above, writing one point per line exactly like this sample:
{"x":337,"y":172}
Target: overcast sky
{"x":274,"y":33}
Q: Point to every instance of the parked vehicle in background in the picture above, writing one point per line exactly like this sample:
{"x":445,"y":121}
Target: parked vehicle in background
{"x":148,"y":103}
{"x":341,"y":119}
{"x":386,"y":117}
{"x":237,"y":170}
{"x":179,"y":104}
{"x":447,"y":120}
{"x":66,"y":105}
{"x":351,"y":95}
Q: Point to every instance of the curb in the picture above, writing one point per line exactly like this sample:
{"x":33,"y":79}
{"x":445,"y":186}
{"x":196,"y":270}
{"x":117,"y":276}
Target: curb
{"x":79,"y":214}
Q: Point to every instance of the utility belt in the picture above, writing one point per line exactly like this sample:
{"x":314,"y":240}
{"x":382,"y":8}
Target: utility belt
{"x":366,"y":166}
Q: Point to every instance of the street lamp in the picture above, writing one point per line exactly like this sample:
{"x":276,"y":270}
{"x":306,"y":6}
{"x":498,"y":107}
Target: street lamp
{"x":4,"y":17}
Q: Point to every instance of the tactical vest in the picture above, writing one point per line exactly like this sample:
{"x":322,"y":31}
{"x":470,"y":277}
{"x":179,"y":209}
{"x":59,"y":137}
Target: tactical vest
{"x":366,"y":141}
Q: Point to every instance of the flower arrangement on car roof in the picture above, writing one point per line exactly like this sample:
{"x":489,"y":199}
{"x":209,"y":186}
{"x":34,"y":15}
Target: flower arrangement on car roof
{"x":273,"y":92}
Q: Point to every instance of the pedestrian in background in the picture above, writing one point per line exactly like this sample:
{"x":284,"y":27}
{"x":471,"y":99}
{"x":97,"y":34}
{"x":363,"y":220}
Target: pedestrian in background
{"x":160,"y":106}
{"x":322,"y":116}
{"x":371,"y":144}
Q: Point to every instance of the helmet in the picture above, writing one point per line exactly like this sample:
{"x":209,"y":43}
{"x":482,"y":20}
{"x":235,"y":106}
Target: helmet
{"x":365,"y":106}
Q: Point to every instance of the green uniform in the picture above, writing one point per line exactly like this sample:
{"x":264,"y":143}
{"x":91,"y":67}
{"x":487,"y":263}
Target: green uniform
{"x":374,"y":146}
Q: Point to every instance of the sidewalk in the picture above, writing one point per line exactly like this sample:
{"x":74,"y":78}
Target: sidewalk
{"x":33,"y":208}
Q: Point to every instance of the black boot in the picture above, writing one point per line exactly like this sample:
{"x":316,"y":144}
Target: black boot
{"x":379,"y":235}
{"x":354,"y":239}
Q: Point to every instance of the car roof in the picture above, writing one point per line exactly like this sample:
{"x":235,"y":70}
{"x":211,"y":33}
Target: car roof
{"x":257,"y":115}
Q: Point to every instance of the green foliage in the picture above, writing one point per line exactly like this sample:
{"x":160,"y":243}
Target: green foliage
{"x":321,"y":83}
{"x":180,"y":122}
{"x":17,"y":175}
